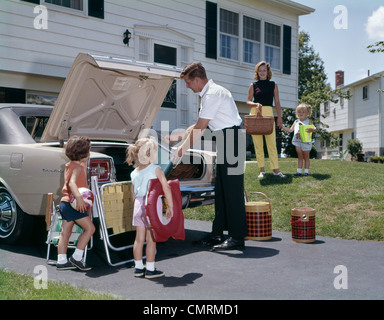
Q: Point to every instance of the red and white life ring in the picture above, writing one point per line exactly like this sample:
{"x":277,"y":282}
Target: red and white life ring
{"x":162,"y":227}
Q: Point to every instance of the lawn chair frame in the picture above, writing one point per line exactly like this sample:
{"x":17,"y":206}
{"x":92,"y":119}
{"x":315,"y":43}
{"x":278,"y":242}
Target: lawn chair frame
{"x":119,"y":220}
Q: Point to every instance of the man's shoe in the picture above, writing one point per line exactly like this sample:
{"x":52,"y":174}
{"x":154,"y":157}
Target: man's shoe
{"x":79,"y":264}
{"x":230,"y":244}
{"x":210,"y":240}
{"x":65,"y":266}
{"x":139,"y":272}
{"x":153,"y":274}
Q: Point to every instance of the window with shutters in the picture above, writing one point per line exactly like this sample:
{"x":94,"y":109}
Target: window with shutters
{"x":72,"y":4}
{"x":94,"y":8}
{"x":229,"y":35}
{"x":245,"y":39}
{"x":252,"y":41}
{"x":272,"y":40}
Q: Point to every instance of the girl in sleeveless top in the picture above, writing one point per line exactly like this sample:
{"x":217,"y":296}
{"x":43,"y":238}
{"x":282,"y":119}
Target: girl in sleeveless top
{"x":260,"y":98}
{"x":142,"y":155}
{"x":303,"y":149}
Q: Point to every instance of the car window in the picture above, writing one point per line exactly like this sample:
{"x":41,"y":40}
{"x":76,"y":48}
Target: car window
{"x":34,"y":125}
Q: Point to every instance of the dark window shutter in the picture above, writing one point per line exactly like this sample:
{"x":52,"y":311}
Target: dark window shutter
{"x":96,"y":8}
{"x":33,"y":1}
{"x":287,"y":39}
{"x":12,"y":95}
{"x":211,"y":30}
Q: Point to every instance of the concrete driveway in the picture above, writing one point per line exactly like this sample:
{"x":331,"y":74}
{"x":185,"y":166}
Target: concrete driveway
{"x":275,"y":269}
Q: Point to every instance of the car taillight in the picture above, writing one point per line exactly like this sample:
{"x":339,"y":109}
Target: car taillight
{"x":103,"y":169}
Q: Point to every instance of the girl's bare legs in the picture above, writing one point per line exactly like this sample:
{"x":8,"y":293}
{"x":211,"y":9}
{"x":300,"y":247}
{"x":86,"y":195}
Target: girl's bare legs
{"x":303,"y":156}
{"x":151,"y":271}
{"x":64,"y":237}
{"x":88,"y":230}
{"x":300,"y":157}
{"x":139,"y":243}
{"x":151,"y":247}
{"x":306,"y":159}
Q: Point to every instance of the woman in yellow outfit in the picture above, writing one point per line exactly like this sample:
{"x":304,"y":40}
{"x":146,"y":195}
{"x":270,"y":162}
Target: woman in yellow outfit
{"x":261,"y":94}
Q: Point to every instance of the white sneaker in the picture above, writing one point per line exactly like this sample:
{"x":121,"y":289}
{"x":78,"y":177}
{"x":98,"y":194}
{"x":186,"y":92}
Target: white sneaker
{"x":261,"y":175}
{"x":280,"y":174}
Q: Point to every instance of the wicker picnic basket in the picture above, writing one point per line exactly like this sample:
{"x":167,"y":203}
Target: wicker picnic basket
{"x":257,"y":124}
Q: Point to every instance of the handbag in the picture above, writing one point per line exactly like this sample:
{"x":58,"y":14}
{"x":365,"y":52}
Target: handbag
{"x":258,"y":125}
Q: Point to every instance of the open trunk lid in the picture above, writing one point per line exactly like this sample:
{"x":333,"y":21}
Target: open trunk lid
{"x":106,"y":98}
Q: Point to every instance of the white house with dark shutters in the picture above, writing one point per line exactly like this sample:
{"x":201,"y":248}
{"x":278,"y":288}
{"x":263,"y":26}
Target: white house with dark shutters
{"x":41,"y":38}
{"x":361,"y":117}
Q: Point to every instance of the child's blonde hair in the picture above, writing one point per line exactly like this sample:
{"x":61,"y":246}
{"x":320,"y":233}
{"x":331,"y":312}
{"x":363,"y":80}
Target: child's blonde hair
{"x":144,"y":151}
{"x":306,"y":107}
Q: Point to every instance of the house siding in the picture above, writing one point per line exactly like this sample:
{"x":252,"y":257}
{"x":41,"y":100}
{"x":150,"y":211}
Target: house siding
{"x":35,"y":55}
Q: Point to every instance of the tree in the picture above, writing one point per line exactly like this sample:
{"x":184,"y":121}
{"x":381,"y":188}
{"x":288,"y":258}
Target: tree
{"x":354,"y":147}
{"x":314,"y":90}
{"x":376,"y":48}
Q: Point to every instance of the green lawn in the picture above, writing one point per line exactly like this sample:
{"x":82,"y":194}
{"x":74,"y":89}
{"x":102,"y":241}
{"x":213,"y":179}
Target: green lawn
{"x":348,"y":197}
{"x":15,"y":286}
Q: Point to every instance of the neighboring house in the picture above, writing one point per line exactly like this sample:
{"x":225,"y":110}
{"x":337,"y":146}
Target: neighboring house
{"x":39,"y":43}
{"x":361,"y":117}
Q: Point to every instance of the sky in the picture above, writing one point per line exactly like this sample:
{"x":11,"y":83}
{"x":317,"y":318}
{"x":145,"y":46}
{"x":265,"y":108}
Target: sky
{"x":340,"y":31}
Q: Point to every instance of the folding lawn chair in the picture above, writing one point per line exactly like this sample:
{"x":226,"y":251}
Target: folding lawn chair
{"x":114,"y":205}
{"x":54,"y":223}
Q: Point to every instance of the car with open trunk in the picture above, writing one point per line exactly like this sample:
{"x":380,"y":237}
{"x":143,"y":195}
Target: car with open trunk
{"x":112,"y":101}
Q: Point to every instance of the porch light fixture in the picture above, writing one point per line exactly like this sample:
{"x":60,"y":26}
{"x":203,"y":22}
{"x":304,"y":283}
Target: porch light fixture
{"x":127,"y":37}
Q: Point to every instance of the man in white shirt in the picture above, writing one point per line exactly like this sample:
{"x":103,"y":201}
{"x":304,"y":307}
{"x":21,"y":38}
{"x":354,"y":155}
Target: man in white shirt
{"x":219,"y":112}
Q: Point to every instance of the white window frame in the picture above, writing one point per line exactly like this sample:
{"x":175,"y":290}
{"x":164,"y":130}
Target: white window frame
{"x":272,"y":48}
{"x":229,"y":39}
{"x":254,"y":43}
{"x":58,"y":7}
{"x":236,"y":55}
{"x":183,"y":92}
{"x":144,"y":49}
{"x":326,"y":108}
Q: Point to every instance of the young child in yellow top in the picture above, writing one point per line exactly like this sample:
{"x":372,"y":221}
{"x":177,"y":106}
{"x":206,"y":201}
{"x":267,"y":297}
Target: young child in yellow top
{"x":142,"y":155}
{"x":75,"y":176}
{"x":303,"y":111}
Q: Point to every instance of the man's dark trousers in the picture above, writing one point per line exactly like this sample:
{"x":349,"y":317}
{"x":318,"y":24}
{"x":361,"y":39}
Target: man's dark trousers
{"x":229,"y":184}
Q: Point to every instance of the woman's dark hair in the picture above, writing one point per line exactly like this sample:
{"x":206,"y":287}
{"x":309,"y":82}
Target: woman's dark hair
{"x":77,"y":148}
